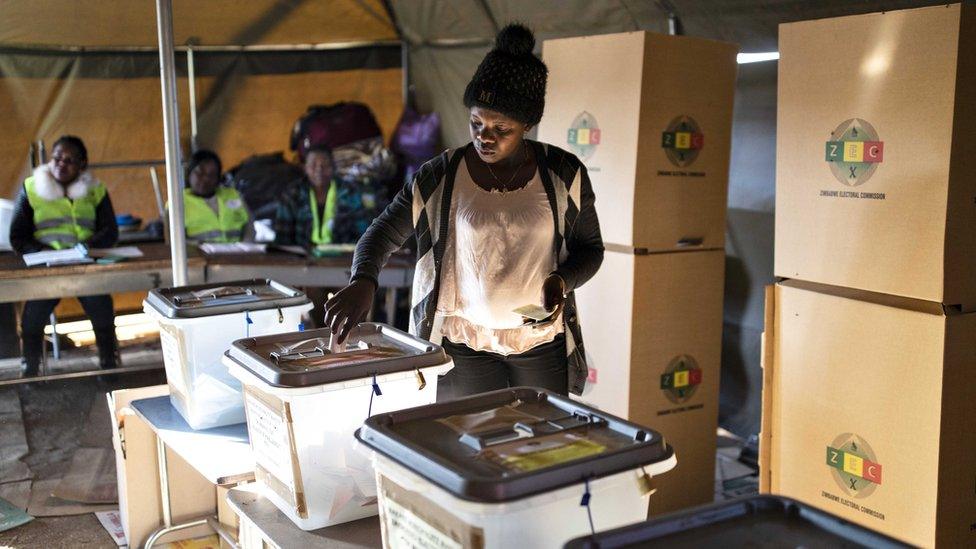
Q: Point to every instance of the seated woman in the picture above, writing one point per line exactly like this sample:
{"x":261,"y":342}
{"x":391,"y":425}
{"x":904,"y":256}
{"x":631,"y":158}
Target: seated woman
{"x":307,"y":213}
{"x":59,"y":206}
{"x":213,"y":213}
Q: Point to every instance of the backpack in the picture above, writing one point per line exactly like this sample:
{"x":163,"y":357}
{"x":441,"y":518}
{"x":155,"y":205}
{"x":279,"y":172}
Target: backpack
{"x":261,"y":179}
{"x":334,"y":125}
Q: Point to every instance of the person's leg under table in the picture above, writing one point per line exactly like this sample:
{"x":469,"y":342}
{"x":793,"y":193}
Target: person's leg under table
{"x":544,"y":366}
{"x":101,"y":312}
{"x":36,"y":315}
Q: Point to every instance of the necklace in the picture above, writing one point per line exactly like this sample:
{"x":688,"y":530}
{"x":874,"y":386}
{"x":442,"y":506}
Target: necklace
{"x":525,"y":156}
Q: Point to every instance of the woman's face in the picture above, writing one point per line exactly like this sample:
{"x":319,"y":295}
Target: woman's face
{"x":66,"y":163}
{"x":318,"y":168}
{"x":495,"y":136}
{"x":204,"y":178}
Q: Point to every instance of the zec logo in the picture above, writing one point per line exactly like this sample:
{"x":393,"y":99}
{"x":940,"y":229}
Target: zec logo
{"x":583,"y":135}
{"x":682,"y":141}
{"x":681,"y":379}
{"x":854,"y":465}
{"x":854,"y":152}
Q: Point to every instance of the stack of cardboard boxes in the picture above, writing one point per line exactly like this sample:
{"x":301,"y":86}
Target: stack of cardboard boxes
{"x":650,"y":116}
{"x":870,"y":369}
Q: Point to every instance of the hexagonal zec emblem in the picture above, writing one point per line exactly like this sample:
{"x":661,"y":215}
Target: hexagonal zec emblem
{"x":854,"y":465}
{"x":681,"y":379}
{"x":854,"y":152}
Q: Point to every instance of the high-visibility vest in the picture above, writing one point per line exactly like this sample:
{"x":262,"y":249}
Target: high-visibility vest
{"x":225,"y":225}
{"x":322,"y":228}
{"x":63,"y":223}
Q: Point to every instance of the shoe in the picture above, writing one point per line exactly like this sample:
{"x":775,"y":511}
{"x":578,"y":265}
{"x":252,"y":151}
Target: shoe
{"x":108,"y":349}
{"x":32,"y":346}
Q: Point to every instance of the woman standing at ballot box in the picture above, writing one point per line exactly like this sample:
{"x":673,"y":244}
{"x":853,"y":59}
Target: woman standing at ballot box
{"x":211,"y":212}
{"x":62,"y":205}
{"x":501,"y":223}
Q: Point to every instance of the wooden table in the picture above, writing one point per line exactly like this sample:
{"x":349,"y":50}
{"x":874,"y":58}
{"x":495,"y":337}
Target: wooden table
{"x":294,"y":270}
{"x":21,"y":283}
{"x":263,"y":525}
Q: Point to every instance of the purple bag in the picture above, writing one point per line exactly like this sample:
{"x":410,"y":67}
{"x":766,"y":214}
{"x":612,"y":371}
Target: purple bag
{"x":416,"y":139}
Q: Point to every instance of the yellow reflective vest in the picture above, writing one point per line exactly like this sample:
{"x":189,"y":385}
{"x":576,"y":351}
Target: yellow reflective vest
{"x":225,"y":225}
{"x":63,"y":223}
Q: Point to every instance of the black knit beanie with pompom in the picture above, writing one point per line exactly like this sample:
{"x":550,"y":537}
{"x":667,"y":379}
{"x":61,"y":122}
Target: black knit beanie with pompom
{"x":510,"y":80}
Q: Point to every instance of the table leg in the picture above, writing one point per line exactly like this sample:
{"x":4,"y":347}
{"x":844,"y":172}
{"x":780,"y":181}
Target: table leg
{"x":55,"y":344}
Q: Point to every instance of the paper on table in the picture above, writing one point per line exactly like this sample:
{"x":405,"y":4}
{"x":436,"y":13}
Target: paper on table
{"x":56,"y":257}
{"x":121,"y":251}
{"x":233,"y":248}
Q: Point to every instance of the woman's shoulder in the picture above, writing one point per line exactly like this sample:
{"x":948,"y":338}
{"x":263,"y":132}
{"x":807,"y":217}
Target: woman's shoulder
{"x":433,"y":171}
{"x":561,"y":162}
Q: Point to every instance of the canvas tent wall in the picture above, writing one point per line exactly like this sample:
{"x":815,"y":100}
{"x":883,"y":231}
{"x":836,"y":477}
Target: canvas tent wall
{"x":92,"y":69}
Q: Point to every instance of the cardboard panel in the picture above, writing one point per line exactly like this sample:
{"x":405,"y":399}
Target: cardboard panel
{"x":191,"y":496}
{"x":873,"y":216}
{"x":595,"y":82}
{"x":608,"y":344}
{"x":857,"y":412}
{"x":634,"y":88}
{"x":659,"y":365}
{"x":956,"y":509}
{"x":678,"y":329}
{"x":680,"y":195}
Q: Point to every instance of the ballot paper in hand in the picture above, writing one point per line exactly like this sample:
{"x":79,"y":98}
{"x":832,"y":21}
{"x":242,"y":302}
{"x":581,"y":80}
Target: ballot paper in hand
{"x":536,"y":313}
{"x":212,"y":248}
{"x":69,"y":256}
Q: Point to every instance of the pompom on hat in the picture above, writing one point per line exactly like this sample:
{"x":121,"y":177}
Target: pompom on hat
{"x":510,"y":79}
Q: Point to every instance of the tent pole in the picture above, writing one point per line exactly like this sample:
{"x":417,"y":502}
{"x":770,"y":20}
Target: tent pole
{"x":405,"y":71}
{"x":192,"y":84}
{"x":171,"y":136}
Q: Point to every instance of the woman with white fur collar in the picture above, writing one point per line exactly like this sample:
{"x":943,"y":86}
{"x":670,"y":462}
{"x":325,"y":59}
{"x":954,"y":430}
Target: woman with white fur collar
{"x":59,"y":206}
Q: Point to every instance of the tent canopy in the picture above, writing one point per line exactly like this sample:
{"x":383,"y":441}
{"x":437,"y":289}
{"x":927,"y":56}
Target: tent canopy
{"x":128,"y":23}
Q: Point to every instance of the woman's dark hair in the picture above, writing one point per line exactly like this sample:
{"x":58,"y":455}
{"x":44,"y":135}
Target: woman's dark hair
{"x":199,"y":157}
{"x":74,"y":142}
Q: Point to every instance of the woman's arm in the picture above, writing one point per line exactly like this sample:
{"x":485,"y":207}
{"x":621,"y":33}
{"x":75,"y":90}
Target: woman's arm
{"x":584,"y":242}
{"x":22,"y":227}
{"x":384,"y":236}
{"x":349,"y":306}
{"x":106,"y":227}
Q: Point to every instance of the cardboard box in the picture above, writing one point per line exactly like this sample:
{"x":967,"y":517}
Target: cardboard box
{"x":650,"y":115}
{"x":868,"y":411}
{"x":652,"y":330}
{"x":875,"y":155}
{"x":137,"y":467}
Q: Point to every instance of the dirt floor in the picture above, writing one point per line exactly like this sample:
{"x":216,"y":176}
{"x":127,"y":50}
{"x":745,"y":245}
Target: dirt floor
{"x":56,"y":419}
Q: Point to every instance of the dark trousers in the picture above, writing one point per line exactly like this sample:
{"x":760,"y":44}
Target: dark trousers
{"x":99,"y":309}
{"x":476,"y":372}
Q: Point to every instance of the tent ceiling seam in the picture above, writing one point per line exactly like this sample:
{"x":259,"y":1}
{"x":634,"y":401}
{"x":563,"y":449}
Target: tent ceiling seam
{"x":49,"y":48}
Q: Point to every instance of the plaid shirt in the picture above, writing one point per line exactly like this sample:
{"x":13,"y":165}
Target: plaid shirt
{"x":358,"y":203}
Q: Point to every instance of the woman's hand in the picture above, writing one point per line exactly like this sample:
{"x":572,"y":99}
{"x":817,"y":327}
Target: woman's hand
{"x":349,"y":306}
{"x":553,"y":298}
